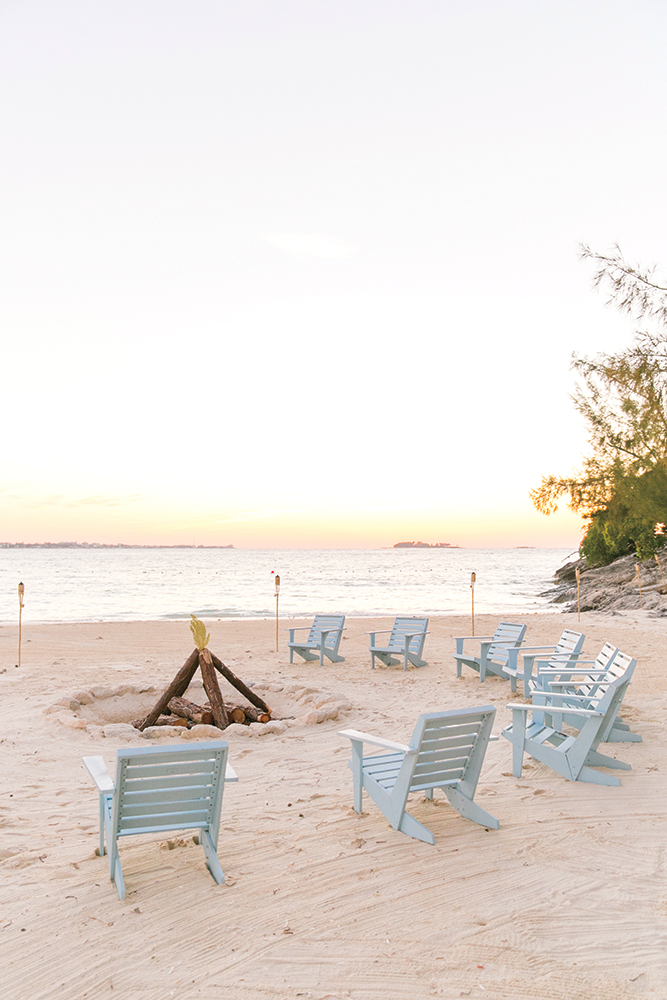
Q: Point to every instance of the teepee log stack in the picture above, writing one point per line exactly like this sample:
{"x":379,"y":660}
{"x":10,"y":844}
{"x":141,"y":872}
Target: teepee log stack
{"x":172,"y":709}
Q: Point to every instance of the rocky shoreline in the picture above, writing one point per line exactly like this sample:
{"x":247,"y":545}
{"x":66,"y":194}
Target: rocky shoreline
{"x":613,"y":588}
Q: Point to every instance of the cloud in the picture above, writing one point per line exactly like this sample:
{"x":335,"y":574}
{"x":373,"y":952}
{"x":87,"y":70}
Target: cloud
{"x":311,"y":245}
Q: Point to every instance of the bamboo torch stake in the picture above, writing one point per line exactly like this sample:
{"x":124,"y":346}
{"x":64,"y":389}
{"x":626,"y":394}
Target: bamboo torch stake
{"x":660,"y":568}
{"x":577,"y":573}
{"x":277,"y":596}
{"x":473,"y":578}
{"x":639,"y":583}
{"x":21,"y":593}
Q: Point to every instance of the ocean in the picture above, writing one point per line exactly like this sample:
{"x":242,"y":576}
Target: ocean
{"x":128,"y":584}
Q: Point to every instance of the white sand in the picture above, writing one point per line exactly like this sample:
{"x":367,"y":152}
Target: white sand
{"x":567,"y":900}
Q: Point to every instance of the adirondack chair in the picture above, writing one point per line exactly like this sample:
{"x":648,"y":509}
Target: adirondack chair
{"x":446,"y":751}
{"x":324,"y":638}
{"x":158,"y":789}
{"x":406,"y":642}
{"x":565,"y":653}
{"x":587,"y":687}
{"x":493,"y":651}
{"x":575,"y":757}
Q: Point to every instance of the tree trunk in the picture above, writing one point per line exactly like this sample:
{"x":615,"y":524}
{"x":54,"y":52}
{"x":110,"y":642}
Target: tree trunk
{"x":239,"y":685}
{"x":175,"y":690}
{"x":212,"y":689}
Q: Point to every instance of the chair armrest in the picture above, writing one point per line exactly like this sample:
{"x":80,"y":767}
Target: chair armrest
{"x":379,"y":631}
{"x":533,"y":649}
{"x":297,"y":628}
{"x":230,"y":773}
{"x":553,"y":709}
{"x":570,"y":697}
{"x":354,"y":735}
{"x":553,"y":661}
{"x":580,"y":662}
{"x":97,"y":769}
{"x":572,"y":685}
{"x":572,"y":672}
{"x":479,"y":638}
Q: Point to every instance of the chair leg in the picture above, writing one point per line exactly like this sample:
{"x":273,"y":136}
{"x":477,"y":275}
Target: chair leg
{"x":602,"y":760}
{"x":103,"y":799}
{"x":212,"y":860}
{"x":115,"y":870}
{"x":356,"y":765}
{"x":518,"y":741}
{"x":470,"y":810}
{"x":413,"y":828}
{"x":596,"y":777}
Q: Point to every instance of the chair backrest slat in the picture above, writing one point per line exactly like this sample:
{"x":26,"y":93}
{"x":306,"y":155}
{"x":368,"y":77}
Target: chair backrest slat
{"x":569,"y":644}
{"x":447,"y":742}
{"x":406,"y":626}
{"x":321,"y":622}
{"x":168,"y":788}
{"x":506,"y":634}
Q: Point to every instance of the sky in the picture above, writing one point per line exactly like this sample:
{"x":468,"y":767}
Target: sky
{"x":305,"y":273}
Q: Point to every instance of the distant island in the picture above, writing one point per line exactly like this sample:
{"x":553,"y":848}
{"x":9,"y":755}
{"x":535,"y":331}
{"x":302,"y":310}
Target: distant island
{"x":424,"y":545}
{"x":100,"y":545}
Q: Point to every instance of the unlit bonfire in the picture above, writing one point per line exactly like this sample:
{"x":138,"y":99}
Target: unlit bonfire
{"x":172,"y":709}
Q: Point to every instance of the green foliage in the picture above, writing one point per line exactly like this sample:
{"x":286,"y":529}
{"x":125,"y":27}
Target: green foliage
{"x":627,"y":523}
{"x":598,"y":547}
{"x":622,"y":490}
{"x":198,"y":629}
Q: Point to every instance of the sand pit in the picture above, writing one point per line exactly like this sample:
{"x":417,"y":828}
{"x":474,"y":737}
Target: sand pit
{"x":108,"y":712}
{"x":565,"y":901}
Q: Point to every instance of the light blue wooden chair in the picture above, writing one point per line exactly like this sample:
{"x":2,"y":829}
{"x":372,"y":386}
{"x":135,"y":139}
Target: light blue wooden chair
{"x":586,"y":688}
{"x":564,"y":654}
{"x":324,"y":639}
{"x":573,"y":756}
{"x":160,"y":789}
{"x":446,"y":751}
{"x":493,"y":650}
{"x":406,"y":642}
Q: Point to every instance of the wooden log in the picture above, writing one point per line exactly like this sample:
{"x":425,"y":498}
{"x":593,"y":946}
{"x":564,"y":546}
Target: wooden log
{"x":236,"y":713}
{"x":239,"y":685}
{"x":212,"y":688}
{"x":188,"y":710}
{"x":250,"y":713}
{"x":177,"y":687}
{"x":171,"y":720}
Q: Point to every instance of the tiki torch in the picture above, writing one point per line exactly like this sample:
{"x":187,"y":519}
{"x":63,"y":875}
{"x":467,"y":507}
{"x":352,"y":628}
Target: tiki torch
{"x":21,"y":593}
{"x":577,"y":573}
{"x":473,"y":578}
{"x":277,"y":596}
{"x":639,"y":584}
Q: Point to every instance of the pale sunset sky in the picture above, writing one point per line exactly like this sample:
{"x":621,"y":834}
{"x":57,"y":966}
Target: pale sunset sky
{"x":303,"y":273}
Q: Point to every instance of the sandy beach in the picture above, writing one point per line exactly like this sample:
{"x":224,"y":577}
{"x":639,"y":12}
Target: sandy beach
{"x":568,"y":899}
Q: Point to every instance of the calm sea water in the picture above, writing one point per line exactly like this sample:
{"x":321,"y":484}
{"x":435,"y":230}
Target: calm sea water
{"x":78,"y":585}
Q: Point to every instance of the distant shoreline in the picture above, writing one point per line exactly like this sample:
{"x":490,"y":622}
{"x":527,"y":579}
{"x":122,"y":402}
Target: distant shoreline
{"x":101,"y":545}
{"x":424,"y":545}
